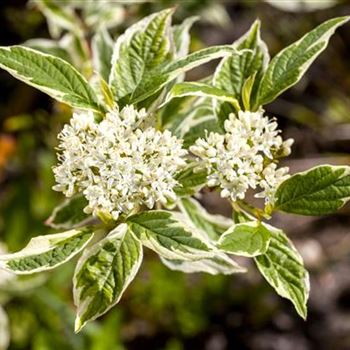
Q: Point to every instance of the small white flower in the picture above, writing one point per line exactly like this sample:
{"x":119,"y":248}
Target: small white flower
{"x":117,"y":165}
{"x":243,"y":157}
{"x":271,"y":179}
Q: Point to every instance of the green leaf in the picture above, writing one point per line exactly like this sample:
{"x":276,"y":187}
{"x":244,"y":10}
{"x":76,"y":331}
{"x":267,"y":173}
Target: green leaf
{"x":182,"y":38}
{"x":212,"y":225}
{"x":51,"y":47}
{"x":220,"y":263}
{"x":318,"y":191}
{"x":78,"y":51}
{"x":47,"y":252}
{"x":198,"y":58}
{"x":190,"y":181}
{"x":172,"y":115}
{"x":247,"y":91}
{"x":170,"y":235}
{"x":106,"y":93}
{"x":199,"y":128}
{"x":190,"y":118}
{"x":49,"y":74}
{"x":283,"y":268}
{"x":58,"y":17}
{"x":143,"y":47}
{"x":200,"y":90}
{"x":241,"y":217}
{"x":161,"y":76}
{"x":180,"y":118}
{"x":289,"y":65}
{"x":233,"y":71}
{"x":104,"y":272}
{"x":102,"y":13}
{"x":102,"y":51}
{"x":246,"y":239}
{"x":69,"y":214}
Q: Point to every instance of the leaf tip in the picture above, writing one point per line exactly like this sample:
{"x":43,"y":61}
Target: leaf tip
{"x":169,"y":11}
{"x":172,"y":9}
{"x":78,"y":325}
{"x":344,"y":19}
{"x":257,"y":24}
{"x":303,"y":312}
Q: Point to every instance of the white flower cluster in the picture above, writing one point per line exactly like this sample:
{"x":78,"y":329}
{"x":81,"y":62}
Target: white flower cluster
{"x":244,"y":157}
{"x":118,"y":163}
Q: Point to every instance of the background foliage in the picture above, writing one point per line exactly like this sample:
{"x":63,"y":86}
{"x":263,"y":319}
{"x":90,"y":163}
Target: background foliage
{"x":164,"y":309}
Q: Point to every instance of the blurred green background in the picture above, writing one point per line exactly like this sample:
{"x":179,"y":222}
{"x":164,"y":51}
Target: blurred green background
{"x":164,"y":309}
